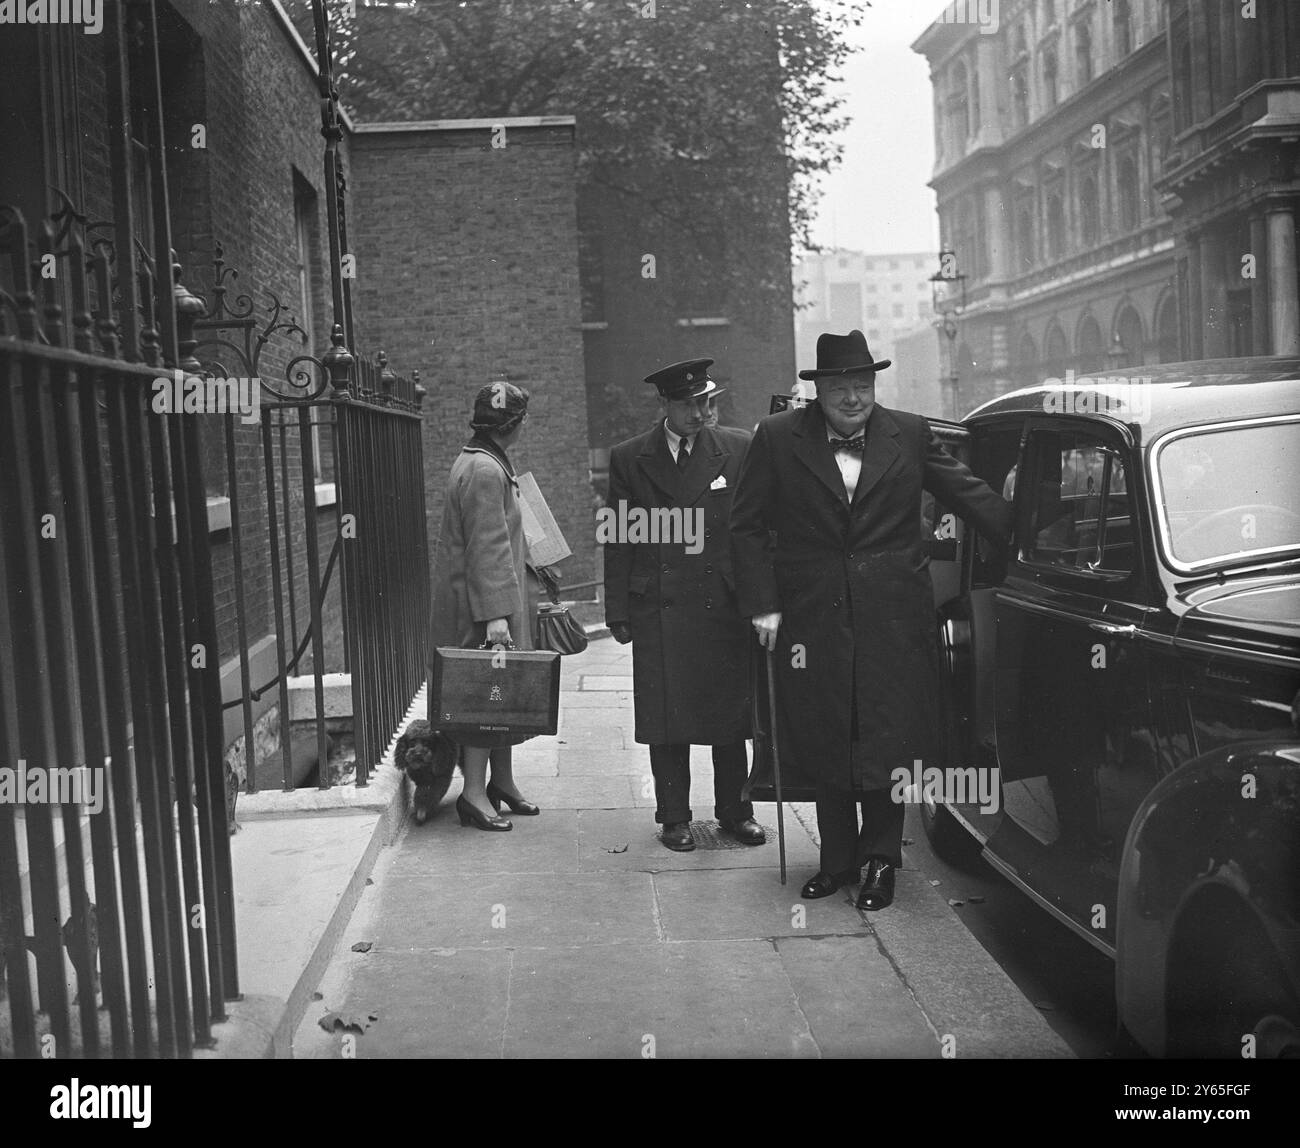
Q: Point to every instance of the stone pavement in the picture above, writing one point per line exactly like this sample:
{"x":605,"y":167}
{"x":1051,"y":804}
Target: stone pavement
{"x":579,"y":935}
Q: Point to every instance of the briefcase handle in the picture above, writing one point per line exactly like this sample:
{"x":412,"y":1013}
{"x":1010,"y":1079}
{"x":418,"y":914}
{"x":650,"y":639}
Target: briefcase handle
{"x":510,"y":645}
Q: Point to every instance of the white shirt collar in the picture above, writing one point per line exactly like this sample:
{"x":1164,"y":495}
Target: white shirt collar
{"x":675,"y":440}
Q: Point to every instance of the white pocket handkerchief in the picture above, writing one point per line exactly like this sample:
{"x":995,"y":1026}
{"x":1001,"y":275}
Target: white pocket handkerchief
{"x":718,"y":483}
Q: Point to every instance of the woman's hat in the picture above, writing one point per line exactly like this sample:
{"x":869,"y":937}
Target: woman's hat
{"x":498,"y":407}
{"x":843,"y":355}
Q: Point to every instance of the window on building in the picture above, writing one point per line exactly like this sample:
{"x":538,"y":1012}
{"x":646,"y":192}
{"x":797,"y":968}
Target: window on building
{"x":898,"y":310}
{"x":1020,"y":96}
{"x":874,"y":335}
{"x":871,"y":288}
{"x":893,"y":264}
{"x":1090,"y":347}
{"x":1083,"y":51}
{"x":1089,"y":212}
{"x":1184,"y":114}
{"x":304,"y":227}
{"x":1130,"y":212}
{"x":1055,"y":226}
{"x":1049,"y":78}
{"x":1123,"y":17}
{"x":959,"y":105}
{"x":873,"y":312}
{"x":1132,"y":344}
{"x":918,"y":263}
{"x":1055,"y":351}
{"x":897,"y":288}
{"x":1167,"y":340}
{"x":1025,"y":236}
{"x":843,"y":263}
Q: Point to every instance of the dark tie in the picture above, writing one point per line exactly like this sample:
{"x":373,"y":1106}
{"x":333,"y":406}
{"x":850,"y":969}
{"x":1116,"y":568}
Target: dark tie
{"x":856,"y":445}
{"x":683,"y":455}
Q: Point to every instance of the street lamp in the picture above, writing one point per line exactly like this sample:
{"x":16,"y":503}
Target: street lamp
{"x":948,"y":292}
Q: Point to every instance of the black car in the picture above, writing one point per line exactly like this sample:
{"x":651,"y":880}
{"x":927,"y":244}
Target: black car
{"x":1131,"y":670}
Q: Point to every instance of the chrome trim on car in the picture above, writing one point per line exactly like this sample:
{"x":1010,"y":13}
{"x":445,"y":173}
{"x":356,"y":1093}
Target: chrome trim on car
{"x":1011,"y":875}
{"x":1156,"y":492}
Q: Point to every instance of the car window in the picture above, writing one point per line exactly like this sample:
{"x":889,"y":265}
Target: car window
{"x":1079,"y":510}
{"x":1230,"y":492}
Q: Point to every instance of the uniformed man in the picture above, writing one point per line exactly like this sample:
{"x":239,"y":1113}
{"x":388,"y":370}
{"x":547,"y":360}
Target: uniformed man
{"x":670,"y":591}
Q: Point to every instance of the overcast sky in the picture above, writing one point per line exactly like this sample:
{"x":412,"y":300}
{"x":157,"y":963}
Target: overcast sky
{"x":877,"y":199}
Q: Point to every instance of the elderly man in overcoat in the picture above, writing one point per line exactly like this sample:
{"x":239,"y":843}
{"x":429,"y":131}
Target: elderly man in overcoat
{"x":670,"y":591}
{"x":830,"y":566}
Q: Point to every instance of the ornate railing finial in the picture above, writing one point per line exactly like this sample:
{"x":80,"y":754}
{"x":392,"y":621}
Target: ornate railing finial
{"x":339,"y":361}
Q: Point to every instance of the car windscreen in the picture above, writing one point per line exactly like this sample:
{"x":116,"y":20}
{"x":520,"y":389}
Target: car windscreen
{"x":1230,"y":492}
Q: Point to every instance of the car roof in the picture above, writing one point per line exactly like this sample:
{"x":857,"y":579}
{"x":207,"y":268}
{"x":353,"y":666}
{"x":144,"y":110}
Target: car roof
{"x":1161,"y":397}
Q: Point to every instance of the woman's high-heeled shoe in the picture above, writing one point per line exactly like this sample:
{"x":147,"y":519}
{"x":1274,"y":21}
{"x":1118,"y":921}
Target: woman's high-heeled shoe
{"x":517,"y":804}
{"x":470,"y":816}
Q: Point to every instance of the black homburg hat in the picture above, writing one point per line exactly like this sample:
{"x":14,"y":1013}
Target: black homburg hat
{"x":843,"y":355}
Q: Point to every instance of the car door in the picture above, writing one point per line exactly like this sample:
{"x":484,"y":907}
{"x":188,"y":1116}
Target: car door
{"x":1072,"y":707}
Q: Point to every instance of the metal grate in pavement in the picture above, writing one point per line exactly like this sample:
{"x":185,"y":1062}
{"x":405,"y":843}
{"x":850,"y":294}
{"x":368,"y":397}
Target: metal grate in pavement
{"x":711,"y":835}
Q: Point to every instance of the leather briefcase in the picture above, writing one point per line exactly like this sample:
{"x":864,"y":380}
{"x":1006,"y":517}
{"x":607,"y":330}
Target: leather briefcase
{"x":504,"y":691}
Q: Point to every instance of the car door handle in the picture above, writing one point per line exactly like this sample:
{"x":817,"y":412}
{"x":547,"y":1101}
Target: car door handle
{"x":1113,"y":630}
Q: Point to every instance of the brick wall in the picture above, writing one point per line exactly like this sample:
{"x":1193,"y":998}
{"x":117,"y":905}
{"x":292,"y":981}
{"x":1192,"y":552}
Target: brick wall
{"x":468,"y":268}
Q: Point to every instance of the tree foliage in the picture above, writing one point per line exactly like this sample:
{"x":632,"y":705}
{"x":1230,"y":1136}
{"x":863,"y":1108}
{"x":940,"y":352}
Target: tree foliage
{"x":710,"y":119}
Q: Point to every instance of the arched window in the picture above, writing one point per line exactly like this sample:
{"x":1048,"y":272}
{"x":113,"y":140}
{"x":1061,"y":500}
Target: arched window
{"x":1091,"y":347}
{"x":1123,"y":18}
{"x":1049,"y":78}
{"x":1129,"y":198}
{"x":1167,"y":341}
{"x":1128,"y":326}
{"x":1055,"y":226}
{"x":1083,"y":51}
{"x":1055,"y":351}
{"x":1089,"y":212}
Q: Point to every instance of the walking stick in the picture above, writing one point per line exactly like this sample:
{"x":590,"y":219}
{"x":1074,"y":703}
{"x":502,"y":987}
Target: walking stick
{"x":776,"y":756}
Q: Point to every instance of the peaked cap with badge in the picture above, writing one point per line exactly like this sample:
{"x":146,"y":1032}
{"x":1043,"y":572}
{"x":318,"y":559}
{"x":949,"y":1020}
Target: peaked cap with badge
{"x":688,"y":379}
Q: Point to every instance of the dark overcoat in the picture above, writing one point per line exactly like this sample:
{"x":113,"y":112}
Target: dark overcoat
{"x":690,"y":644}
{"x":480,"y":570}
{"x":857,"y":658}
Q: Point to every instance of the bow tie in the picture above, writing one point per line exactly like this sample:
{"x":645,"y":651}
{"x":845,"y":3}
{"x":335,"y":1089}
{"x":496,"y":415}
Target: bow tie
{"x":856,"y":444}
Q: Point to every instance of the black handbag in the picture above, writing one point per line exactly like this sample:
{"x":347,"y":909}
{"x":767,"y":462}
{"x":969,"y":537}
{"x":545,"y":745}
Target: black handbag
{"x":558,"y":630}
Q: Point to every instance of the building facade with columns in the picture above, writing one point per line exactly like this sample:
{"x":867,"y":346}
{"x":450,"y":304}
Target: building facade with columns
{"x":1096,"y":163}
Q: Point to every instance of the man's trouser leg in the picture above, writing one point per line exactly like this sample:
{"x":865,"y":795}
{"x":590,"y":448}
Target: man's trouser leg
{"x":882,"y":828}
{"x":730,"y":770}
{"x":671,"y":766}
{"x":837,"y":825}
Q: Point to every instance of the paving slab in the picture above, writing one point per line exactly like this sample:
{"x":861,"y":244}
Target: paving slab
{"x":601,"y":830}
{"x":683,"y":997}
{"x":547,"y":843}
{"x":746,"y":904}
{"x":600,"y":761}
{"x":854,"y":1000}
{"x":493,"y":910}
{"x":961,"y":988}
{"x":606,"y":682}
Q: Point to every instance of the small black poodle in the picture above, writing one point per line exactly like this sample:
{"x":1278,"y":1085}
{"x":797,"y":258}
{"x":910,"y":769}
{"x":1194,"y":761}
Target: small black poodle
{"x":429,"y":759}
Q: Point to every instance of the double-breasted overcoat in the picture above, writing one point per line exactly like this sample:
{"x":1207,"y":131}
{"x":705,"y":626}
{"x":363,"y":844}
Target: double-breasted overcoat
{"x":480,"y":569}
{"x":690,"y":644}
{"x":857,"y":657}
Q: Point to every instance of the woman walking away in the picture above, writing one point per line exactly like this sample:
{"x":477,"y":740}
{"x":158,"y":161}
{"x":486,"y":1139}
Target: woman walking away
{"x":482,"y":591}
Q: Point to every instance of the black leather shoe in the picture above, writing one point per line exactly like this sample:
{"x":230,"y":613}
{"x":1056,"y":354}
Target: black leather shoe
{"x":877,"y":890}
{"x":747,"y":831}
{"x":517,"y":804}
{"x":470,"y":816}
{"x":824,"y":884}
{"x":677,"y":837}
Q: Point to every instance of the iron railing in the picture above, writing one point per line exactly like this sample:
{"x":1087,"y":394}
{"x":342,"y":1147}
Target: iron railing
{"x":107,"y":668}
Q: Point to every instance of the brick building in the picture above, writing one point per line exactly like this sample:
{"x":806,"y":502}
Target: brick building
{"x":1092,"y":159}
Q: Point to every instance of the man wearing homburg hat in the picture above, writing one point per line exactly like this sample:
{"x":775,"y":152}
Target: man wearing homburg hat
{"x":830,"y":565}
{"x":674,"y":599}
